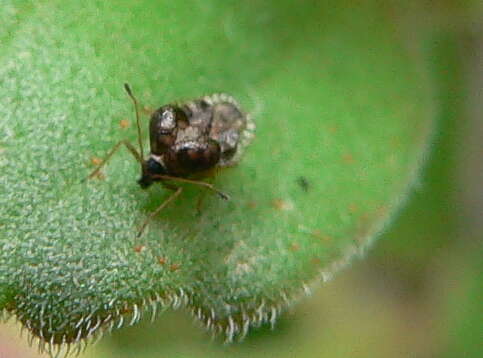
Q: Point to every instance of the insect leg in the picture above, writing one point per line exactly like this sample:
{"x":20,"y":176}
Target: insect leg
{"x":158,"y":209}
{"x":201,"y":199}
{"x":194,"y":182}
{"x":128,"y":145}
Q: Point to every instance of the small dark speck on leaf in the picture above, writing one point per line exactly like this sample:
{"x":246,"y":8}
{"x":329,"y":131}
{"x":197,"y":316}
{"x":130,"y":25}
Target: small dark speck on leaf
{"x":303,"y":183}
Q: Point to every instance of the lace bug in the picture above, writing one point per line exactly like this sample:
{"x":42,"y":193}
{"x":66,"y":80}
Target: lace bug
{"x":188,"y":139}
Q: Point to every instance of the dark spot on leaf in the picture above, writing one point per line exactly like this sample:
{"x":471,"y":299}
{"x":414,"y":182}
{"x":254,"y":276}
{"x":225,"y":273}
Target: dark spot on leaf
{"x":303,"y":183}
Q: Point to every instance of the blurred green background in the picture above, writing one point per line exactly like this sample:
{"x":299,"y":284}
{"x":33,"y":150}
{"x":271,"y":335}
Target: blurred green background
{"x":418,"y":293}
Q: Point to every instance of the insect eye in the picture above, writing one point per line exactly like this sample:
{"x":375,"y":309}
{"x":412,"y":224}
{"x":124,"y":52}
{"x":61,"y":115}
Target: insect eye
{"x":154,"y":167}
{"x":204,"y":104}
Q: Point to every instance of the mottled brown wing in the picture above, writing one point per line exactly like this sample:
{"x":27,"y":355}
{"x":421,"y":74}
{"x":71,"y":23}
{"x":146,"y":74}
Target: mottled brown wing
{"x":227,"y":128}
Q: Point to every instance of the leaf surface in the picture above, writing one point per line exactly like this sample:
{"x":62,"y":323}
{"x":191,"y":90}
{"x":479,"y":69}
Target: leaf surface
{"x":343,"y":119}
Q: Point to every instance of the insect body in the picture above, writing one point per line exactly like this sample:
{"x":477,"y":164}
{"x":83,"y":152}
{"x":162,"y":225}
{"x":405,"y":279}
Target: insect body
{"x":189,"y":139}
{"x":194,"y":137}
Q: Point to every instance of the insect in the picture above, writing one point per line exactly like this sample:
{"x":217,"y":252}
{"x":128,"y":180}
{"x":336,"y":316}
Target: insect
{"x":188,"y":140}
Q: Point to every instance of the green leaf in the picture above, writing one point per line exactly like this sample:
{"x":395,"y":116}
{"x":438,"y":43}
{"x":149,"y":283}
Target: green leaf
{"x":343,"y":118}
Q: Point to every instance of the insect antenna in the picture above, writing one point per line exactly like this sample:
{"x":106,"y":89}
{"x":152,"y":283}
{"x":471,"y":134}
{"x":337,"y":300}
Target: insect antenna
{"x":135,"y":102}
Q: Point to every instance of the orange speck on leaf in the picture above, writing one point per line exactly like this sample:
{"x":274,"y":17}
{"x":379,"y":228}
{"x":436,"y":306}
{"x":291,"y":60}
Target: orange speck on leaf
{"x":280,"y":204}
{"x":316,"y":261}
{"x":174,"y":267}
{"x":353,"y":208}
{"x":96,"y":161}
{"x":252,"y":204}
{"x":321,"y":236}
{"x":125,"y":310}
{"x":294,"y":247}
{"x":348,"y":158}
{"x":139,"y":248}
{"x":124,"y":123}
